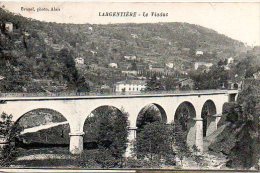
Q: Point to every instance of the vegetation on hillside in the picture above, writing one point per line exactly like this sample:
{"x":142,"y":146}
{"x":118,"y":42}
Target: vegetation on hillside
{"x":46,"y":51}
{"x":220,"y":74}
{"x":240,"y":139}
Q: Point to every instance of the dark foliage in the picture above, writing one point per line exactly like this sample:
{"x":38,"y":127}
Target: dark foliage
{"x":240,"y":139}
{"x":154,"y":84}
{"x":8,"y":132}
{"x":108,"y":129}
{"x":154,"y":142}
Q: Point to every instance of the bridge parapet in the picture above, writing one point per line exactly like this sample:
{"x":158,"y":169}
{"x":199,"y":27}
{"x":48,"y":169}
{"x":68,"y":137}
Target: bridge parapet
{"x":78,"y":94}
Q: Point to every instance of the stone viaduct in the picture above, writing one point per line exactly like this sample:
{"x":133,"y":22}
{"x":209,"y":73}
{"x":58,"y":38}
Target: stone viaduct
{"x":77,"y":108}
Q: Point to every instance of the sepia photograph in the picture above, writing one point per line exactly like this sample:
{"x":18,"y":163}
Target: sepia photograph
{"x":129,"y":86}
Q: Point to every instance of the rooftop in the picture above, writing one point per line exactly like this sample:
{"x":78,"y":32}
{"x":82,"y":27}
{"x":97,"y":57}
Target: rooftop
{"x":133,"y":82}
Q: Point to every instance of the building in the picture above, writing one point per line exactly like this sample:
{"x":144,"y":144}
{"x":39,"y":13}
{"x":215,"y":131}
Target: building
{"x":230,"y":60}
{"x":90,"y":28}
{"x":134,"y":35}
{"x":257,"y":75}
{"x":199,"y":52}
{"x":158,"y":70}
{"x":130,"y":58}
{"x":226,"y":67}
{"x":125,"y":65}
{"x":113,"y":65}
{"x":206,"y":64}
{"x":57,"y":47}
{"x":169,"y":65}
{"x":8,"y":27}
{"x":93,"y":52}
{"x":26,"y":34}
{"x":79,"y":60}
{"x":105,"y":89}
{"x":130,"y":86}
{"x":130,"y":72}
{"x":1,"y":77}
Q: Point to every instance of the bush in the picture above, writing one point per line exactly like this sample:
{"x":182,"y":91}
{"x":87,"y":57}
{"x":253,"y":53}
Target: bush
{"x":232,"y":112}
{"x":101,"y":158}
{"x":8,"y":132}
{"x":154,"y":142}
{"x":107,"y":130}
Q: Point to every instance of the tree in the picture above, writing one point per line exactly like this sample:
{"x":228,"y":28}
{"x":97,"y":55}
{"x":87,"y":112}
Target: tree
{"x":154,"y":142}
{"x":133,"y":66}
{"x":8,"y":131}
{"x":149,"y":115}
{"x":246,"y":150}
{"x":247,"y":66}
{"x":82,"y":85}
{"x":70,"y":71}
{"x":198,"y":158}
{"x":179,"y":136}
{"x":213,"y":78}
{"x":154,"y":84}
{"x":107,"y":129}
{"x":170,"y":83}
{"x":241,"y":137}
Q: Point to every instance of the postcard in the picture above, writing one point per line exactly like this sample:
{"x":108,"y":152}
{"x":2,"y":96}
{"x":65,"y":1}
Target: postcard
{"x":129,"y":86}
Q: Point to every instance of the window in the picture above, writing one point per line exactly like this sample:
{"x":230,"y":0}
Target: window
{"x":129,"y":89}
{"x":136,"y":89}
{"x":133,"y":89}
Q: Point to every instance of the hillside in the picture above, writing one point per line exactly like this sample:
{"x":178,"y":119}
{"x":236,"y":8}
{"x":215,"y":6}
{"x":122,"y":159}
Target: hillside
{"x":37,"y":55}
{"x":239,"y":140}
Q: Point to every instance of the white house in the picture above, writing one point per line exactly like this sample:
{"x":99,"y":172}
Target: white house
{"x":130,"y":86}
{"x":93,"y":52}
{"x":130,"y":57}
{"x":257,"y":75}
{"x":230,"y":60}
{"x":206,"y":64}
{"x":130,"y":72}
{"x":112,"y":65}
{"x":169,"y":65}
{"x":9,"y":27}
{"x":90,"y":28}
{"x":134,"y":35}
{"x":199,"y":52}
{"x":1,"y":77}
{"x":79,"y":60}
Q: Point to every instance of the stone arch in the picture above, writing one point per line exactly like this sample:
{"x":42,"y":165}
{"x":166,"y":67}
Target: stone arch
{"x":207,"y":114}
{"x":88,"y":130}
{"x":158,"y":108}
{"x":90,"y":112}
{"x":45,"y":118}
{"x":184,"y":117}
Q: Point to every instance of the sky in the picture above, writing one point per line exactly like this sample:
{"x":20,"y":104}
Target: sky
{"x":240,"y":21}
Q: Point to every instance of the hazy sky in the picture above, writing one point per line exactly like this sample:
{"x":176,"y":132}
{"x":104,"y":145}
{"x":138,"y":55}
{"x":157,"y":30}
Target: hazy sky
{"x":240,"y":21}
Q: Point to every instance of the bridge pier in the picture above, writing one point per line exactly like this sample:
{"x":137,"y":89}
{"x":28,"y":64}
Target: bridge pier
{"x":199,"y":133}
{"x":131,"y":138}
{"x":76,"y":142}
{"x":213,"y":124}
